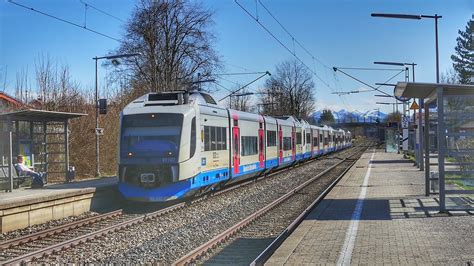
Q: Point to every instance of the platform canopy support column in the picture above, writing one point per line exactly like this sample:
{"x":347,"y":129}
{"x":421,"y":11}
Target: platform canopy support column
{"x":426,"y":153}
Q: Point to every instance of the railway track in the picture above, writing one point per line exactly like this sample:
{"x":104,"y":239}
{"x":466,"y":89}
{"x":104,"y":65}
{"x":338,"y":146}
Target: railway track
{"x":55,"y":242}
{"x":260,"y":233}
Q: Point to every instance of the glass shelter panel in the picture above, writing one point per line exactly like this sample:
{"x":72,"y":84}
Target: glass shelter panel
{"x":458,"y":121}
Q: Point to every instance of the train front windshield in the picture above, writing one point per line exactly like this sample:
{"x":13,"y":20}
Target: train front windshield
{"x":151,"y":135}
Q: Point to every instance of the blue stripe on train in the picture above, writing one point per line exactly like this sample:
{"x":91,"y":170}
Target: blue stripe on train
{"x":175,"y":190}
{"x":272,"y":163}
{"x":180,"y":189}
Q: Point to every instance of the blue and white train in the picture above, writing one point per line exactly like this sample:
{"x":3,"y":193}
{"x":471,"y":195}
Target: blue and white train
{"x":177,"y":144}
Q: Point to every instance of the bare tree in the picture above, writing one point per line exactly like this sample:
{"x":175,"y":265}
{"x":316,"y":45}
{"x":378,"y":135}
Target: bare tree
{"x":55,"y":88}
{"x":450,"y":77}
{"x":21,"y":87}
{"x":241,"y":101}
{"x":289,"y":91}
{"x":175,"y":41}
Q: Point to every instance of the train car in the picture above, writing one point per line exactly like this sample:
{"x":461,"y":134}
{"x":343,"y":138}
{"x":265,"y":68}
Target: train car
{"x":213,"y":148}
{"x":272,"y":151}
{"x":286,"y":141}
{"x":158,"y":151}
{"x":307,"y":140}
{"x":248,"y":151}
{"x":298,"y":141}
{"x":178,"y":144}
{"x":317,"y":143}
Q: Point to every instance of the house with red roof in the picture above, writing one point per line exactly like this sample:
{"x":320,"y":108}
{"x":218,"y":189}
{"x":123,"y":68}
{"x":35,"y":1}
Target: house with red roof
{"x":9,"y":103}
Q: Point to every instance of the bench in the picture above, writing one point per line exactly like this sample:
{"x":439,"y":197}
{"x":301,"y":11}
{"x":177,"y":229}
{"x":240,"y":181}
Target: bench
{"x":5,"y":179}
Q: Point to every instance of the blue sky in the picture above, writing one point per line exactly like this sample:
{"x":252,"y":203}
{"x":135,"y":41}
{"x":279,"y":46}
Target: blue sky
{"x":337,"y":33}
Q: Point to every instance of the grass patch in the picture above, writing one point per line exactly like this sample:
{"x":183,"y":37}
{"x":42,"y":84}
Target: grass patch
{"x":460,"y":183}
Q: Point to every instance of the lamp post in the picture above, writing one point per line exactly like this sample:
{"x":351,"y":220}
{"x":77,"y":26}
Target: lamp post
{"x":108,"y":57}
{"x":417,"y":17}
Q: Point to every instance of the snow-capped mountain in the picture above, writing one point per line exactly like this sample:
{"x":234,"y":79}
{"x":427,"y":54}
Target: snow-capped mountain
{"x":354,"y":116}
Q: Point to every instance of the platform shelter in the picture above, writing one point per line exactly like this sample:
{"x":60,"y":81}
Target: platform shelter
{"x":452,"y":172}
{"x":42,"y":137}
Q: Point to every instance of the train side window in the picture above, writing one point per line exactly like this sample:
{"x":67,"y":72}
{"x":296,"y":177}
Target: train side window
{"x":286,"y":143}
{"x":192,"y":146}
{"x":298,"y":137}
{"x":308,"y":138}
{"x":271,"y":138}
{"x":320,"y":138}
{"x":215,"y":138}
{"x":249,"y":145}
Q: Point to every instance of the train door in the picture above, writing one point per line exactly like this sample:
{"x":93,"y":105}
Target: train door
{"x":236,"y":142}
{"x":316,"y":137}
{"x":293,"y":142}
{"x":312,"y":144}
{"x":261,"y":155}
{"x":280,"y":144}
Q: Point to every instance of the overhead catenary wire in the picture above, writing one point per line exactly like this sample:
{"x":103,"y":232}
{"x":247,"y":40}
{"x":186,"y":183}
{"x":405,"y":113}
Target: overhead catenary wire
{"x":64,"y":20}
{"x":282,"y":44}
{"x":291,"y":35}
{"x":101,"y":11}
{"x":240,"y":73}
{"x":370,"y":69}
{"x":370,"y":86}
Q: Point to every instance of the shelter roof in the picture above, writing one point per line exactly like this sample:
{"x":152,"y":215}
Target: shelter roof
{"x":38,"y":115}
{"x":428,"y":90}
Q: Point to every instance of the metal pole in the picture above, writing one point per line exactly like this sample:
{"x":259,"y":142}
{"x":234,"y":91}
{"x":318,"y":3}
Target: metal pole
{"x":97,"y":148}
{"x":437,"y":53}
{"x":10,"y":154}
{"x":421,"y":151}
{"x":398,"y":126}
{"x":427,"y":149}
{"x":441,"y":150}
{"x":66,"y":143}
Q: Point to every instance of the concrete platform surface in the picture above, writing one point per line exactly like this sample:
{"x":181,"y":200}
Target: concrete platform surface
{"x":377,"y":214}
{"x":25,"y":196}
{"x":26,"y":207}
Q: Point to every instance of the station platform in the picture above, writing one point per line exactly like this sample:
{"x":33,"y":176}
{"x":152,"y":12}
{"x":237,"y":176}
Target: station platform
{"x":378,"y":214}
{"x":26,"y":207}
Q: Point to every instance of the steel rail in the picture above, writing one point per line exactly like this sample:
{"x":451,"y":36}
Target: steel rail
{"x":266,"y":254}
{"x":276,"y":172}
{"x":204,"y":248}
{"x":58,"y":229}
{"x":87,"y":237}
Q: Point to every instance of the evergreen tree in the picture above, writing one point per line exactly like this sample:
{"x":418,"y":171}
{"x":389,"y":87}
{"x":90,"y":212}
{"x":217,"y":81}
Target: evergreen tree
{"x":326,"y":117}
{"x":463,"y":59}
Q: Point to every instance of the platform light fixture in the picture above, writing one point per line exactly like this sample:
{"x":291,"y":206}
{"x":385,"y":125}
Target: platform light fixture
{"x":97,"y":129}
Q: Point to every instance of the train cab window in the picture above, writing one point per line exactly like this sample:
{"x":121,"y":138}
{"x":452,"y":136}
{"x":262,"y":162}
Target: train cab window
{"x":215,"y":138}
{"x":286,"y":143}
{"x":249,"y":145}
{"x":298,"y":137}
{"x":271,"y":138}
{"x":208,"y":98}
{"x":192,"y":146}
{"x":308,"y":138}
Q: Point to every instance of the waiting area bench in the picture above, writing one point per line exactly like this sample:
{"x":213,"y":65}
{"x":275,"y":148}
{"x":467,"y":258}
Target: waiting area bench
{"x":5,"y":179}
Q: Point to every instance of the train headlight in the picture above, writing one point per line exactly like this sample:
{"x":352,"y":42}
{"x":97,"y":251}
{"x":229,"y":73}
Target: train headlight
{"x":130,"y":154}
